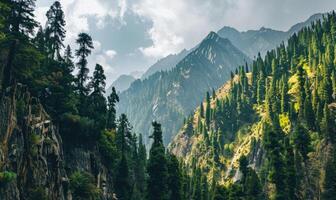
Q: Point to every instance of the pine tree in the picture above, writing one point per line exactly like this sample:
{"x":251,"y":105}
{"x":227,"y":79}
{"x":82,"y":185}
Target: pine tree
{"x":252,"y":186}
{"x":284,"y":95}
{"x":18,"y":25}
{"x":261,"y":88}
{"x":271,"y":140}
{"x":208,"y":110}
{"x":141,"y":168}
{"x":97,"y":101}
{"x":157,"y":167}
{"x":55,"y":25}
{"x":243,"y":166}
{"x":113,"y":98}
{"x":327,"y":125}
{"x":202,"y":110}
{"x":301,"y":141}
{"x":124,"y":135}
{"x":85,"y":46}
{"x":302,"y":94}
{"x":174,"y":178}
{"x":290,"y":171}
{"x":68,"y":59}
{"x":308,"y":108}
{"x":98,"y":81}
{"x":122,"y":181}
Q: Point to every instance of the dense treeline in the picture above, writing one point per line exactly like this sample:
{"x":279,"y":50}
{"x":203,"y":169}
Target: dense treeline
{"x":37,"y":57}
{"x":291,"y":95}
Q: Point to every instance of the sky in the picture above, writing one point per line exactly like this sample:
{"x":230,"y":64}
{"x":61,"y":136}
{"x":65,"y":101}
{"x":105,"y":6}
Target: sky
{"x":131,"y":35}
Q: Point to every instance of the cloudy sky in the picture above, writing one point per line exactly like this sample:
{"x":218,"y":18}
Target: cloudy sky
{"x":130,"y":35}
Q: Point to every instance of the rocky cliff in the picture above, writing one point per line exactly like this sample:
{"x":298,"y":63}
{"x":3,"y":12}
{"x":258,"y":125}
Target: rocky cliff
{"x":33,"y":161}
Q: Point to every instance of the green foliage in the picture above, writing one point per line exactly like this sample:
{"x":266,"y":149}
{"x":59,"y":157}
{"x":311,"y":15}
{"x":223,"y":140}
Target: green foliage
{"x":55,"y":29}
{"x":83,"y":187}
{"x":174,"y":178}
{"x":108,"y":148}
{"x":7,"y":177}
{"x":37,"y":193}
{"x":157,"y":167}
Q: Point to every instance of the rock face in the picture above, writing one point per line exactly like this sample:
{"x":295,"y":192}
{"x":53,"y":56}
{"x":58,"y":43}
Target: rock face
{"x":34,"y":162}
{"x":30,"y":148}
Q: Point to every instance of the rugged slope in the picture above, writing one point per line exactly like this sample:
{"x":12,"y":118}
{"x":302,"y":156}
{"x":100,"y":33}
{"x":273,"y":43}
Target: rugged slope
{"x":31,"y":149}
{"x":252,"y":42}
{"x":34,"y":161}
{"x":169,"y":96}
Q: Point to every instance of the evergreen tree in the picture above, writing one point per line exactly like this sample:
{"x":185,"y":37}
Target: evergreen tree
{"x":68,"y":59}
{"x":85,"y":46}
{"x":301,"y":141}
{"x":291,"y":176}
{"x":327,"y":125}
{"x":308,"y":107}
{"x":208,"y":109}
{"x":124,"y":135}
{"x":140,"y":168}
{"x":113,"y":98}
{"x":97,"y":101}
{"x":272,"y":138}
{"x":19,"y":23}
{"x":122,"y":182}
{"x":55,"y":25}
{"x":252,"y":186}
{"x":174,"y":178}
{"x":284,"y":95}
{"x":202,"y":110}
{"x":157,"y":167}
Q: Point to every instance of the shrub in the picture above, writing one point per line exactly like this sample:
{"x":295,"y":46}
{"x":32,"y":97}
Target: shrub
{"x":107,"y":147}
{"x":83,"y":187}
{"x":38,"y":193}
{"x":7,"y":176}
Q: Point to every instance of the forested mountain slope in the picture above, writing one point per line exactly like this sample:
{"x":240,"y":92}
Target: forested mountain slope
{"x":270,"y":133}
{"x":169,"y":96}
{"x":252,"y":42}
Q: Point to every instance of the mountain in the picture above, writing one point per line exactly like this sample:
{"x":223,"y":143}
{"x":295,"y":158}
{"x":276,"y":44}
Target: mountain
{"x":137,"y":74}
{"x":166,"y":63}
{"x":169,"y":96}
{"x":270,"y":133}
{"x":122,"y":83}
{"x":252,"y":42}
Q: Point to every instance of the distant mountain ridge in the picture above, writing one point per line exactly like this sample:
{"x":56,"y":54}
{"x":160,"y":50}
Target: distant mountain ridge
{"x":166,"y":63}
{"x":252,"y":42}
{"x":122,"y":83}
{"x":169,"y":96}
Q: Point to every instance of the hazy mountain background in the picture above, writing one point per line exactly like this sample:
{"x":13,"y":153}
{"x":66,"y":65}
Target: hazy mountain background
{"x":252,"y":42}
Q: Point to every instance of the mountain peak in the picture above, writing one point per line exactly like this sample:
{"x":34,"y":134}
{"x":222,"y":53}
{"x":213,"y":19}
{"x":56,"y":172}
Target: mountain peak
{"x":212,"y":35}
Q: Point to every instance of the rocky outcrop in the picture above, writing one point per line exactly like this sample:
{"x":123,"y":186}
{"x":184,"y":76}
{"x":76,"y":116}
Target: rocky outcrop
{"x":88,"y":159}
{"x":34,"y":161}
{"x":31,"y":158}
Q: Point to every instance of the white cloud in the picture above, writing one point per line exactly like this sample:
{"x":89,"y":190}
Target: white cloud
{"x":178,"y":24}
{"x":182,"y":24}
{"x":97,"y":46}
{"x":110,"y":53}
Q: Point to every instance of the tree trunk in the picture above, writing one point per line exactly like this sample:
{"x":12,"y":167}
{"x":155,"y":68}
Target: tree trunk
{"x":7,"y":71}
